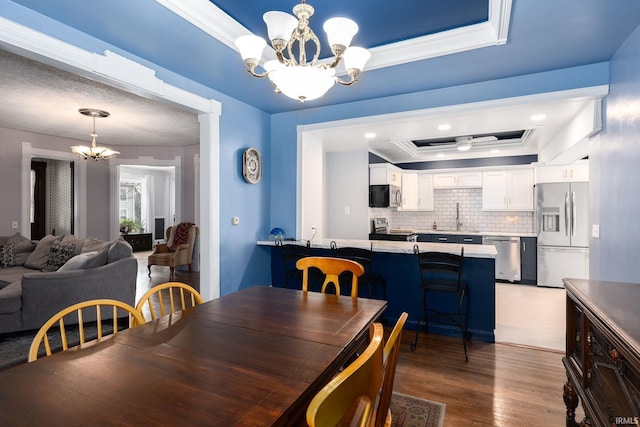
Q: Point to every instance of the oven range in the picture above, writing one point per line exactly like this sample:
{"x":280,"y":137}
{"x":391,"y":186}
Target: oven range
{"x":380,"y":230}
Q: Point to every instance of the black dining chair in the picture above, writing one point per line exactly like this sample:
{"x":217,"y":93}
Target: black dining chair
{"x":291,"y":253}
{"x":441,"y":273}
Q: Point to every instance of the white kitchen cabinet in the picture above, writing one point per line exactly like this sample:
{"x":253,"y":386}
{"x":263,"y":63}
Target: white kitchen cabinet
{"x":510,"y":190}
{"x":385,"y":173}
{"x":577,"y":172}
{"x":425,"y":192}
{"x":457,"y":180}
{"x":409,"y":192}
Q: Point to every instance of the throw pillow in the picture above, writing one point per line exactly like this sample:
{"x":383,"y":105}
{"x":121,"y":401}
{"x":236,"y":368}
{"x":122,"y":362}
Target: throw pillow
{"x":119,"y":249}
{"x":7,"y":255}
{"x":40,"y":255}
{"x":59,"y":254}
{"x":86,"y":260}
{"x":23,"y":247}
{"x":70,"y":238}
{"x":92,"y":245}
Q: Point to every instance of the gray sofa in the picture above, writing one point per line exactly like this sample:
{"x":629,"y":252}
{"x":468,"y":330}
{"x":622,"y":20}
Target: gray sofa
{"x":38,"y":279}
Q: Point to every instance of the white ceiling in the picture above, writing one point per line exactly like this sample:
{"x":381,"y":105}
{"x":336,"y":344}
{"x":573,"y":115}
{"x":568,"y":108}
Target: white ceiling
{"x":43,"y":99}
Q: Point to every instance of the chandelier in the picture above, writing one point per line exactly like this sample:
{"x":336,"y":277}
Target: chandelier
{"x":95,"y":151}
{"x":292,"y":75}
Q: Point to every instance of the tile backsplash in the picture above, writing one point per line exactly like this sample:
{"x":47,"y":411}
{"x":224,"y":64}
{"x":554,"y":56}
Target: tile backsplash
{"x":472,"y":216}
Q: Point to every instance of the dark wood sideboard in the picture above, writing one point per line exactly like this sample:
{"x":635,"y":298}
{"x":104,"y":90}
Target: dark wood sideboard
{"x":603,"y":352}
{"x":139,"y":241}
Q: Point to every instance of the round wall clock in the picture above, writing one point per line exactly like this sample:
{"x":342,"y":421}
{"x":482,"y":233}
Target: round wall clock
{"x":252,"y":165}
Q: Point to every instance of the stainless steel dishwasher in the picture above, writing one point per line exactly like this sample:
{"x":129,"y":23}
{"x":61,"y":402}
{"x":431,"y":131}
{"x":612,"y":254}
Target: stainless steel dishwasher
{"x":508,"y":257}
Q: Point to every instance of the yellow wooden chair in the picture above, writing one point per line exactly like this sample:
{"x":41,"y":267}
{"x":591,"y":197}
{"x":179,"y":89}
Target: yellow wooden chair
{"x":390,"y":361}
{"x":59,"y":319}
{"x":156,"y":299}
{"x":357,"y":385}
{"x":332,"y":268}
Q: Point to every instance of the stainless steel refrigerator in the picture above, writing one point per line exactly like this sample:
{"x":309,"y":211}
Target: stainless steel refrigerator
{"x":563,"y":232}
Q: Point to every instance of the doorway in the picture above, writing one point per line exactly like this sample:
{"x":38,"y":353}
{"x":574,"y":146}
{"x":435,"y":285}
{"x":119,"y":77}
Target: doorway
{"x":52,"y":197}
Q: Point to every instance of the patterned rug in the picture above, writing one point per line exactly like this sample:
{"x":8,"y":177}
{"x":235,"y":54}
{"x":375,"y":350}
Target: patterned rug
{"x":410,"y":411}
{"x":14,"y":347}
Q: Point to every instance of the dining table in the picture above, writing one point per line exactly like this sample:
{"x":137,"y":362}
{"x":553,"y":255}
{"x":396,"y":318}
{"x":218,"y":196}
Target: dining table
{"x":255,"y":357}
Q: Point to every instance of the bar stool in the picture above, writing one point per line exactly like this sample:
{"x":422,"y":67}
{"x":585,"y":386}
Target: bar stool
{"x":364,"y":257}
{"x":441,"y":273}
{"x":291,"y":253}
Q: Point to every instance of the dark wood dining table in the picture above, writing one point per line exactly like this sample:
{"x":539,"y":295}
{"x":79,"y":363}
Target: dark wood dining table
{"x":255,"y":357}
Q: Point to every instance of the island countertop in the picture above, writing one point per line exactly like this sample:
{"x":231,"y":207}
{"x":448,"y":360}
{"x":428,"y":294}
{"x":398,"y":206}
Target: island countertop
{"x":470,"y":251}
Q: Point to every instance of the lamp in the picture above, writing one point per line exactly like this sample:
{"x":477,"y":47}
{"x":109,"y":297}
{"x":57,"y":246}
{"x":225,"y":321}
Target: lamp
{"x":294,"y":76}
{"x":95,"y":152}
{"x":463,"y":143}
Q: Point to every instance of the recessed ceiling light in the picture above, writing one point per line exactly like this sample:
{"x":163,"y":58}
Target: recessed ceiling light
{"x":444,"y":126}
{"x":537,"y":117}
{"x":370,"y":135}
{"x":440,"y":155}
{"x":495,"y":151}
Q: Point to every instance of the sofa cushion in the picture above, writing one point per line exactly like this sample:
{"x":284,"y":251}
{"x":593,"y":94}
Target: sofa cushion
{"x":59,"y":254}
{"x":78,"y":242}
{"x":40,"y":255}
{"x":11,"y":298}
{"x":23,"y":247}
{"x":10,"y":275}
{"x":7,"y":255}
{"x":86,"y":260}
{"x":119,"y":249}
{"x":94,"y":245}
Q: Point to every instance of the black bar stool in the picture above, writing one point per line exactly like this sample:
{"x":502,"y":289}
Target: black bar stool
{"x":364,"y":257}
{"x":441,"y":273}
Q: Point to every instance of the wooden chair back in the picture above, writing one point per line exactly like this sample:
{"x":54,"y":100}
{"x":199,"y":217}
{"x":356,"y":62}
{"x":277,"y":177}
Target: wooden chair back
{"x":331,"y":268}
{"x":356,"y":386}
{"x":59,"y":320}
{"x":161,"y":299}
{"x":390,"y":358}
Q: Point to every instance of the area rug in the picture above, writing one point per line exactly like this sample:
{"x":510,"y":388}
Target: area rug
{"x":14,"y":347}
{"x":411,"y":411}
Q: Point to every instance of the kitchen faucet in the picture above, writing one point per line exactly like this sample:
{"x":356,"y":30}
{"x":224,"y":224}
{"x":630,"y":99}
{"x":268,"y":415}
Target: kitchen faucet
{"x":458,"y":223}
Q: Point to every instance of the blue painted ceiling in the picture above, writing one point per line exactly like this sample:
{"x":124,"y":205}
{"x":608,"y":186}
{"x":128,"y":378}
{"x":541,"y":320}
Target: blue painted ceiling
{"x":544,"y":35}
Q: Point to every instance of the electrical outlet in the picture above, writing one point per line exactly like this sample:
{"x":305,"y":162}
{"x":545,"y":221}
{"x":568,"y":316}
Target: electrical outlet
{"x":14,"y":224}
{"x":235,"y":220}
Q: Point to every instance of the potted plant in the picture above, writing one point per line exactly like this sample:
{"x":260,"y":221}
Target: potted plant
{"x":130,"y":225}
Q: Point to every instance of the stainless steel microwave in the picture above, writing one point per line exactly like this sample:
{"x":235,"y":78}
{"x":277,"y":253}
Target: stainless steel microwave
{"x":384,"y":196}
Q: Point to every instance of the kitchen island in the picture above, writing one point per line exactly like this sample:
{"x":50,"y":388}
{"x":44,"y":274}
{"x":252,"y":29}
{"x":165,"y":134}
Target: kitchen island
{"x":398,"y":264}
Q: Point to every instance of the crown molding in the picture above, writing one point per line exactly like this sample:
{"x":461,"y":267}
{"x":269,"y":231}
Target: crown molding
{"x":108,"y":67}
{"x":211,"y":19}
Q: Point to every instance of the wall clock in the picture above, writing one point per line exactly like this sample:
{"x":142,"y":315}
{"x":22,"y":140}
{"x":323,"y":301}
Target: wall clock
{"x":252,"y":165}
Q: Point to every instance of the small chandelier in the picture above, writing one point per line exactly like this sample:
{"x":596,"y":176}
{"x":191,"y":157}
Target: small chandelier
{"x":95,"y":152}
{"x":294,"y":76}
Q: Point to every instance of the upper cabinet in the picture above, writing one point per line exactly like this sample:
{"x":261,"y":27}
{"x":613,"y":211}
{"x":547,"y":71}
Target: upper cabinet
{"x":385,"y":173}
{"x":417,"y":192}
{"x":510,"y":190}
{"x":425,"y":192}
{"x":576,"y":172}
{"x":457,"y":180}
{"x":409,"y":192}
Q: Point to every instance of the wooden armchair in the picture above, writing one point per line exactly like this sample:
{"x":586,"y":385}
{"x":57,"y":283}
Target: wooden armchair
{"x":181,"y":254}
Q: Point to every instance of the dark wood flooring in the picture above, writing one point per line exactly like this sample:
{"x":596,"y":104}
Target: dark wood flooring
{"x":501,"y":385}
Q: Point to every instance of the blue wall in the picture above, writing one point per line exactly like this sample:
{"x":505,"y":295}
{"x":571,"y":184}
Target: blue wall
{"x":615,"y":180}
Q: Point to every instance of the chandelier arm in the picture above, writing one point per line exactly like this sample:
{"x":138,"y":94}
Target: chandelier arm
{"x":259,"y":75}
{"x":353,"y":77}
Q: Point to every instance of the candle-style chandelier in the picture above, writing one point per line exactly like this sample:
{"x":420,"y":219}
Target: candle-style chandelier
{"x":292,"y":75}
{"x":95,"y":151}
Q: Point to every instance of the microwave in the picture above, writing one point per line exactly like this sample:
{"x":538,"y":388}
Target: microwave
{"x":384,"y":196}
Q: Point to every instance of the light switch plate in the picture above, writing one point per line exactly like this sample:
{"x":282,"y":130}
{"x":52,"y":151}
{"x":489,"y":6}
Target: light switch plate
{"x":595,"y":231}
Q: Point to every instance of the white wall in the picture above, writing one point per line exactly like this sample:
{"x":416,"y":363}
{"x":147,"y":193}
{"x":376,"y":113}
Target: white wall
{"x":310,"y":187}
{"x":347,"y":195}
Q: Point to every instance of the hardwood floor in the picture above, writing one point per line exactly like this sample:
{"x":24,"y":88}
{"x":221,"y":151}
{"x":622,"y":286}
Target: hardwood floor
{"x":501,"y":385}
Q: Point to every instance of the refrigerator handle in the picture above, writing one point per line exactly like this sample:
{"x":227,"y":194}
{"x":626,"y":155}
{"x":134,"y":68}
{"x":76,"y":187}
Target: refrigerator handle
{"x":574,"y":212}
{"x":567,"y":212}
